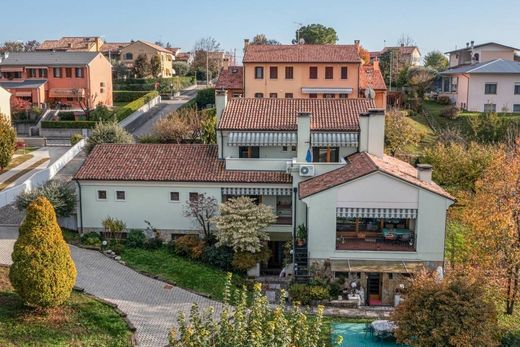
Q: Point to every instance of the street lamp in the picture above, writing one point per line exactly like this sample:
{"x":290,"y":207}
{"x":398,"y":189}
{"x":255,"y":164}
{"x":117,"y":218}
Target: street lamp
{"x":171,"y":91}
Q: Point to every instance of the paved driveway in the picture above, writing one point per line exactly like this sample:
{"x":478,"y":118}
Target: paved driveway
{"x":152,"y":306}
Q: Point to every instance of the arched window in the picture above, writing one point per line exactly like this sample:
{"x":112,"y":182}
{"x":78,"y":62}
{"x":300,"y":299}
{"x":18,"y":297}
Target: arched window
{"x":129,"y":56}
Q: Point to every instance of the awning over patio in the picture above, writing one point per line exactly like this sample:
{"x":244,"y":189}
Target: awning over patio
{"x":349,"y":265}
{"x":316,"y":90}
{"x":262,"y":139}
{"x":334,"y":139}
{"x":356,"y":212}
{"x":66,"y":92}
{"x":11,"y":69}
{"x":256,"y":191}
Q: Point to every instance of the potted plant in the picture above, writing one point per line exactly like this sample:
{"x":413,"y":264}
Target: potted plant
{"x":301,"y":234}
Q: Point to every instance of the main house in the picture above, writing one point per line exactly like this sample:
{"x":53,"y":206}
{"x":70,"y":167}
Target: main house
{"x":47,"y":78}
{"x":319,"y":163}
{"x":303,"y":71}
{"x":483,"y":78}
{"x":131,"y":52}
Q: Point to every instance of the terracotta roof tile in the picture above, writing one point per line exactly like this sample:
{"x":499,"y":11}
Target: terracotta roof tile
{"x":232,"y":78}
{"x":301,"y":54}
{"x":402,"y":49}
{"x":361,"y":164}
{"x":169,"y":163}
{"x":281,"y":114}
{"x":113,"y":46}
{"x":71,"y":43}
{"x":371,"y":78}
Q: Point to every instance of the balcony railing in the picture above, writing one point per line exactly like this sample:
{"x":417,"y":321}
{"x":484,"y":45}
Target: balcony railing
{"x":396,"y":240}
{"x":257,"y":164}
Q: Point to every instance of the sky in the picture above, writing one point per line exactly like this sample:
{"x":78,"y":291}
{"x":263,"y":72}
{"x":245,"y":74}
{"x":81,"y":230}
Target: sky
{"x":433,"y":24}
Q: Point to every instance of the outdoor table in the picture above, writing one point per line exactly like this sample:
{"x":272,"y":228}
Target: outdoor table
{"x":398,"y":232}
{"x":382,"y":327}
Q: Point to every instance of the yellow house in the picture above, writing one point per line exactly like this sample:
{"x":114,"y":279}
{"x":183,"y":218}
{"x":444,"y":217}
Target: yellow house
{"x":5,"y":105}
{"x":130,"y":53}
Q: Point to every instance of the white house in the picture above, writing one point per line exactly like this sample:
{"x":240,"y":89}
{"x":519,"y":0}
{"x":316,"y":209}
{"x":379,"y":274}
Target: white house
{"x":5,"y":103}
{"x":473,"y":54}
{"x":319,"y":163}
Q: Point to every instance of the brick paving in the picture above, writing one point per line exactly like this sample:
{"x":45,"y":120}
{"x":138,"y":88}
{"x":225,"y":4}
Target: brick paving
{"x":151,"y":306}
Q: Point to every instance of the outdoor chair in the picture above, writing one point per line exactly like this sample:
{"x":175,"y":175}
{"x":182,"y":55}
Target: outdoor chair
{"x":405,"y":239}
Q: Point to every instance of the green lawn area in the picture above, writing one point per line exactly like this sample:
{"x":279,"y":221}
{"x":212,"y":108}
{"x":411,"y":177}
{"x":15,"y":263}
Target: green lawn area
{"x":184,"y":272}
{"x":82,"y":321}
{"x":16,"y":161}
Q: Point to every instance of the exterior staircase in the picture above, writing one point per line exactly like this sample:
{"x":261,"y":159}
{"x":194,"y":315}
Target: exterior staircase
{"x":301,"y":264}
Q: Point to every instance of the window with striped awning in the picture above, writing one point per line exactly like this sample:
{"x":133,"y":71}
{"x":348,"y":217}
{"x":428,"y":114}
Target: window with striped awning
{"x":262,"y":139}
{"x":256,"y":191}
{"x":357,"y":212}
{"x":334,"y":139}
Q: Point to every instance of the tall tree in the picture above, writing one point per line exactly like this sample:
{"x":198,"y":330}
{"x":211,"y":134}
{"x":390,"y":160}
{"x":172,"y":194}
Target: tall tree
{"x":420,"y":79}
{"x":436,"y":60}
{"x":316,"y":34}
{"x":107,"y":133}
{"x":406,"y":40}
{"x":261,"y":39}
{"x":31,"y":45}
{"x":141,"y":67}
{"x":205,"y":59}
{"x":202,"y":210}
{"x":399,"y":133}
{"x":7,"y":142}
{"x":155,"y":66}
{"x":364,"y":54}
{"x":13,"y":46}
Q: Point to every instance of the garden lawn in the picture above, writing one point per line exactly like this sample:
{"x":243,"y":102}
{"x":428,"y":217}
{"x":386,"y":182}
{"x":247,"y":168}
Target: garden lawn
{"x":185,"y":273}
{"x":82,"y":321}
{"x":16,"y":161}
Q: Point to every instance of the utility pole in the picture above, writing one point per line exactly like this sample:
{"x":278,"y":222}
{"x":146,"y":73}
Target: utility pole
{"x":207,"y":67}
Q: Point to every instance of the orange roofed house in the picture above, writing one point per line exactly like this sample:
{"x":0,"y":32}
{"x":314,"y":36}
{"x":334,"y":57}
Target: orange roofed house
{"x":308,"y":71}
{"x":48,"y":78}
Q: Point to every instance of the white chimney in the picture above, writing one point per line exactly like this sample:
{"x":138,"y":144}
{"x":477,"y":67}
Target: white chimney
{"x":372,"y":132}
{"x":424,"y":172}
{"x":304,"y":135}
{"x":220,"y":102}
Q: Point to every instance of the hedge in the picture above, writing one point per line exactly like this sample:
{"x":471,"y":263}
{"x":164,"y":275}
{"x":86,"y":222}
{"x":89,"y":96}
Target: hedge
{"x":133,"y":106}
{"x":128,"y":95}
{"x":142,"y":84}
{"x":68,"y":124}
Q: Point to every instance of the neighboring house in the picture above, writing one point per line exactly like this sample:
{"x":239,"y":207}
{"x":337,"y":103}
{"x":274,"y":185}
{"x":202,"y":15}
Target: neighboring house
{"x":5,"y":103}
{"x":48,"y":78}
{"x":112,"y":50}
{"x":186,"y":57}
{"x":473,"y":54}
{"x":72,"y":44}
{"x":403,"y":55}
{"x":492,"y":86}
{"x":319,"y":163}
{"x":130,"y":53}
{"x":231,"y":79}
{"x":309,"y":71}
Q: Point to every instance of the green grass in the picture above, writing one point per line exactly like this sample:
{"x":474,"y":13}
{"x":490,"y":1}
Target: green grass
{"x":184,"y":272}
{"x":82,"y":321}
{"x":72,"y":237}
{"x":16,"y":161}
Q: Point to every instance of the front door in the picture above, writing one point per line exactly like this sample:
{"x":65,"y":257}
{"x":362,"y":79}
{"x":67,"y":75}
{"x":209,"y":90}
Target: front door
{"x":275,"y":262}
{"x":374,"y":289}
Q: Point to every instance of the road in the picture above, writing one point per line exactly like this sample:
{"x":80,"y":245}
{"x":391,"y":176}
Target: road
{"x":161,"y":110}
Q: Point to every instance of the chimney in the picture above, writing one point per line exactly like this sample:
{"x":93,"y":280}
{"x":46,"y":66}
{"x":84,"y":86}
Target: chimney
{"x":467,"y":44}
{"x":402,"y":44}
{"x":356,"y":44}
{"x":472,"y":44}
{"x":372,"y":132}
{"x":375,"y":64}
{"x":246,"y":43}
{"x":220,"y":106}
{"x":304,"y":135}
{"x":424,"y":172}
{"x":225,"y":64}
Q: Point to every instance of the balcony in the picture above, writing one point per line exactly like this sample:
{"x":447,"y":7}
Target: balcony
{"x":257,"y":164}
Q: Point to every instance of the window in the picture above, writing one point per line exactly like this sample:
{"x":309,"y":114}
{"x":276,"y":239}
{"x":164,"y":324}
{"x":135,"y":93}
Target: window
{"x":174,"y":196}
{"x":56,"y":72}
{"x":516,"y":108}
{"x":343,"y":96}
{"x":273,"y":72}
{"x":517,"y":88}
{"x":68,"y":72}
{"x":446,"y":84}
{"x":344,"y":72}
{"x":79,"y":72}
{"x":101,"y":90}
{"x":273,"y":95}
{"x":325,"y":154}
{"x":313,"y":72}
{"x":42,"y":73}
{"x":289,"y":72}
{"x":329,"y":72}
{"x":289,"y":148}
{"x":490,"y":107}
{"x":31,"y":73}
{"x":490,"y":88}
{"x":328,"y":96}
{"x":194,"y":196}
{"x":313,"y":96}
{"x":101,"y":194}
{"x":249,"y":152}
{"x":12,"y":75}
{"x":129,"y":56}
{"x":120,"y":195}
{"x":288,"y":95}
{"x":259,"y":72}
{"x":259,"y":95}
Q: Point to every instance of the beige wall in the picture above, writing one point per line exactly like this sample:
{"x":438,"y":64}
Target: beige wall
{"x":300,"y":79}
{"x":138,"y":48}
{"x":5,"y":103}
{"x":100,"y":80}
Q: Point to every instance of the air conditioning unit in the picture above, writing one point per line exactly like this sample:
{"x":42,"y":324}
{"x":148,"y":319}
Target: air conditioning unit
{"x":307,"y":170}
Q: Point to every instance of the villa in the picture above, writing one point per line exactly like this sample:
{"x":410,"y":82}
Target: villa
{"x":132,"y":51}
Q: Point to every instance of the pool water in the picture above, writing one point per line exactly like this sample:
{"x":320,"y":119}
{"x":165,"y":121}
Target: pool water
{"x":354,"y":336}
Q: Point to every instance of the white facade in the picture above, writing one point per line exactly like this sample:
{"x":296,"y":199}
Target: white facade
{"x":5,"y":103}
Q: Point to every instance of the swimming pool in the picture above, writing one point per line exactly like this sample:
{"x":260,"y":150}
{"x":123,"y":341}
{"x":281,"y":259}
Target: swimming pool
{"x":354,"y":336}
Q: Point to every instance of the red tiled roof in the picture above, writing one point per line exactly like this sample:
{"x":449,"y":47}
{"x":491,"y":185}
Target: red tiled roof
{"x":113,"y":46}
{"x":371,"y":78}
{"x":402,"y":49}
{"x":361,"y":164}
{"x":301,"y":54}
{"x":167,"y":163}
{"x":232,"y":78}
{"x":375,"y":54}
{"x":154,"y":46}
{"x":174,"y":50}
{"x":281,"y":114}
{"x":183,"y":56}
{"x":71,"y":43}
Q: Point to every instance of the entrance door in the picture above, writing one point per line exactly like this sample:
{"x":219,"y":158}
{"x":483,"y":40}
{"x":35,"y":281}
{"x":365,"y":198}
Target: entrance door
{"x":374,"y":289}
{"x":275,"y":262}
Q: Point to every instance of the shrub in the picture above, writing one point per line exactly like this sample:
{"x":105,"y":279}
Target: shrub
{"x":91,"y":239}
{"x":243,"y":261}
{"x":114,"y":228}
{"x":78,"y":124}
{"x":135,"y":239}
{"x":61,"y":196}
{"x":190,"y":246}
{"x":306,"y":294}
{"x":128,"y":95}
{"x":153,"y":243}
{"x":133,"y":106}
{"x":511,"y":339}
{"x":102,"y":114}
{"x":444,"y":100}
{"x":75,"y":138}
{"x":107,"y":133}
{"x":66,"y":116}
{"x":43,"y":272}
{"x":221,"y":257}
{"x":7,"y":141}
{"x":205,"y":97}
{"x":116,"y":246}
{"x":450,"y":112}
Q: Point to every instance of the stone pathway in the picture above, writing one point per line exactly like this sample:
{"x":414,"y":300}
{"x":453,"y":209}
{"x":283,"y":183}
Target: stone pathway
{"x":152,"y":306}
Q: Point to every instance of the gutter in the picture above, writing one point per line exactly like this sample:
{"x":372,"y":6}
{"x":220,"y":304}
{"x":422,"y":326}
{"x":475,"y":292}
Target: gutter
{"x":80,"y":208}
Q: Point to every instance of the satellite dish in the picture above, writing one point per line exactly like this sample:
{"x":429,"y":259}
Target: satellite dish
{"x":370,"y":93}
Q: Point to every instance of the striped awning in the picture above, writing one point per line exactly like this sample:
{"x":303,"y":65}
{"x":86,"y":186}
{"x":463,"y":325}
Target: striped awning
{"x":356,"y":212}
{"x":262,"y":139}
{"x":256,"y":191}
{"x":335,"y":139}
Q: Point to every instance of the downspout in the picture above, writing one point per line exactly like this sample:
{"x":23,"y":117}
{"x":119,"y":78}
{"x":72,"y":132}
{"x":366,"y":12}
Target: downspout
{"x":467,"y":93}
{"x":222,"y":144}
{"x":80,"y":208}
{"x":295,"y":191}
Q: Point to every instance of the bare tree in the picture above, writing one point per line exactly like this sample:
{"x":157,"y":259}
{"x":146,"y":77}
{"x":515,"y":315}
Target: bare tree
{"x":203,"y":49}
{"x":202,"y":210}
{"x":406,"y":40}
